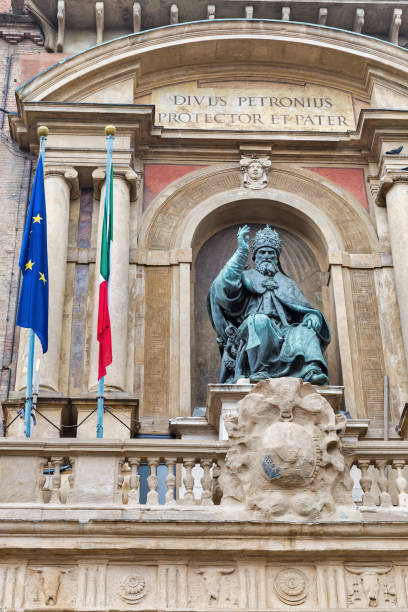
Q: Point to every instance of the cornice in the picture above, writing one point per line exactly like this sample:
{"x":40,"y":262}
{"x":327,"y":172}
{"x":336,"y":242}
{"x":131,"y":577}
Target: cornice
{"x":247,"y":41}
{"x":374,"y":126}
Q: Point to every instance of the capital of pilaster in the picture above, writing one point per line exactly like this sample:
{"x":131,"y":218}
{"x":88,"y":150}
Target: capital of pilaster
{"x":127,"y":174}
{"x":69,"y":174}
{"x":385,"y":184}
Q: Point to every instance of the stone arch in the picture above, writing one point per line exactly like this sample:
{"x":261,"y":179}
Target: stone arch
{"x":332,"y":215}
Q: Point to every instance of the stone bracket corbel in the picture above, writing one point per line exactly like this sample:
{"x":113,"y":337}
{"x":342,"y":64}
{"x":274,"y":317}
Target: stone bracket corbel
{"x":322,"y":18}
{"x":137,"y":17}
{"x":395,"y":24}
{"x":50,"y":33}
{"x":61,"y":25}
{"x":358,"y":20}
{"x":100,"y":19}
{"x":128,"y":174}
{"x":69,"y":174}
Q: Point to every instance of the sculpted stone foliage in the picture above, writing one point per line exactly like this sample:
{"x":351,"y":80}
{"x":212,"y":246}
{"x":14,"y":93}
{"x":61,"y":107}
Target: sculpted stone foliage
{"x":285,"y":458}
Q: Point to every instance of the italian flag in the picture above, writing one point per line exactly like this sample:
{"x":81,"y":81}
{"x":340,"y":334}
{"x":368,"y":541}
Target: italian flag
{"x":104,"y":327}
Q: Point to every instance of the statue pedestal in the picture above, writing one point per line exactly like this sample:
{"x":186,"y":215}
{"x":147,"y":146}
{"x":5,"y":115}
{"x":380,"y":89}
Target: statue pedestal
{"x":51,"y":407}
{"x":223,"y":399}
{"x":125,"y":409}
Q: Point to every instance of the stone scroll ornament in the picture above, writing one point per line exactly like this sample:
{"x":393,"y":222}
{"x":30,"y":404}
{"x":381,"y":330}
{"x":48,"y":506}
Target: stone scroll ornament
{"x":265,"y":326}
{"x":255,"y":171}
{"x":285,"y":458}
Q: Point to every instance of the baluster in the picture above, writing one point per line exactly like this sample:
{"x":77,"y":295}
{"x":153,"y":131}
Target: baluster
{"x":67,"y":479}
{"x":45,"y":487}
{"x":366,"y":482}
{"x":216,"y":489}
{"x":152,"y":482}
{"x":134,"y":493}
{"x":124,"y":481}
{"x":401,"y":482}
{"x":170,"y":481}
{"x":188,"y":481}
{"x":385,"y":497}
{"x":206,"y":497}
{"x":56,"y":480}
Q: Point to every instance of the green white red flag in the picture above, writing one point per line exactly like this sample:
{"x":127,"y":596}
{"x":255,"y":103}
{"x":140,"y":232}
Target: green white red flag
{"x":104,"y":326}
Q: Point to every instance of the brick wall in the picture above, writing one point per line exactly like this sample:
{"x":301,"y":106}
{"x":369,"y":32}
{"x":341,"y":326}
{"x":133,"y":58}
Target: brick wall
{"x":18,"y":63}
{"x":5,"y":6}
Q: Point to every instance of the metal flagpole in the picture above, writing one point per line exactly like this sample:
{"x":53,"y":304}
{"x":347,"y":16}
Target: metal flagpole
{"x":29,"y":389}
{"x":42,"y":133}
{"x":110,"y":134}
{"x":99,"y":412}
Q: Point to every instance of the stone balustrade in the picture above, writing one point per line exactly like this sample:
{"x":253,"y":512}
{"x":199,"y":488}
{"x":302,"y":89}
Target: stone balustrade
{"x":96,"y":477}
{"x":380,"y":474}
{"x":102,"y":474}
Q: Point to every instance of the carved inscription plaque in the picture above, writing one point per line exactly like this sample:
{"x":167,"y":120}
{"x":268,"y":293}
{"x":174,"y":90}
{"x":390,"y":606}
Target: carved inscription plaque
{"x":260,"y":106}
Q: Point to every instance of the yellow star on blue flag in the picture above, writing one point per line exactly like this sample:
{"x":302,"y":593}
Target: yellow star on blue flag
{"x":33,"y":303}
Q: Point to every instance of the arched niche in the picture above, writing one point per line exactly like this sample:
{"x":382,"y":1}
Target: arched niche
{"x":330,"y":225}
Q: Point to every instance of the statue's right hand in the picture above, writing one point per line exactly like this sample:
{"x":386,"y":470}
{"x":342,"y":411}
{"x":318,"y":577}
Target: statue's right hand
{"x":243,"y":237}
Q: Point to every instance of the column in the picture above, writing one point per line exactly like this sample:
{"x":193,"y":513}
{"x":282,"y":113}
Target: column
{"x":395,"y":191}
{"x":60,"y":184}
{"x":124,"y":191}
{"x":185,"y":340}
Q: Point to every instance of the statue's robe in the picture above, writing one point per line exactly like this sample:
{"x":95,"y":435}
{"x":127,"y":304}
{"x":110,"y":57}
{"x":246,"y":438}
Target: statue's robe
{"x":267,"y":313}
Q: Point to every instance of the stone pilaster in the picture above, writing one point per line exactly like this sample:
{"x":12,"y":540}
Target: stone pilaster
{"x":124,"y":191}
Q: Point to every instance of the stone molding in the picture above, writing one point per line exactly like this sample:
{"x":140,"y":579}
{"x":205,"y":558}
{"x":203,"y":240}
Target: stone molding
{"x":130,"y":176}
{"x":69,"y":174}
{"x":386,"y":183}
{"x":360,"y":261}
{"x":14,"y":33}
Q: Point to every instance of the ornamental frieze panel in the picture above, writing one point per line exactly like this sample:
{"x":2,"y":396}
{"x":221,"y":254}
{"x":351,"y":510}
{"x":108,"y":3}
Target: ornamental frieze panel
{"x":191,"y":584}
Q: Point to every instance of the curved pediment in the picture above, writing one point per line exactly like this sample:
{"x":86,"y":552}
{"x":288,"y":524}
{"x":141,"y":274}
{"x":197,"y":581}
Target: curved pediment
{"x":128,"y":67}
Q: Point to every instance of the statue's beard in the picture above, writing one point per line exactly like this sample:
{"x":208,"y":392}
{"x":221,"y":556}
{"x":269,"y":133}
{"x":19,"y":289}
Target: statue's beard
{"x":267,"y":268}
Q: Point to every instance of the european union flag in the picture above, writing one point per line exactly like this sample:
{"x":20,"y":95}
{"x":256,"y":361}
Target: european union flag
{"x":33,"y":305}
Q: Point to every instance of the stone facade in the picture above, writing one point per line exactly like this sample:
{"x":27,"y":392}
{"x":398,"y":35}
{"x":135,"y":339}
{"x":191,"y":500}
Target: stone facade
{"x":280,"y":496}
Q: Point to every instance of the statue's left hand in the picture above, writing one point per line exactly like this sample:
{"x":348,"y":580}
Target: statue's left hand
{"x":312,"y":321}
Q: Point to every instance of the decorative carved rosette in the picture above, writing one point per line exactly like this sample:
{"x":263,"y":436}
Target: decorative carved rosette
{"x":133,"y":588}
{"x":291,"y":586}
